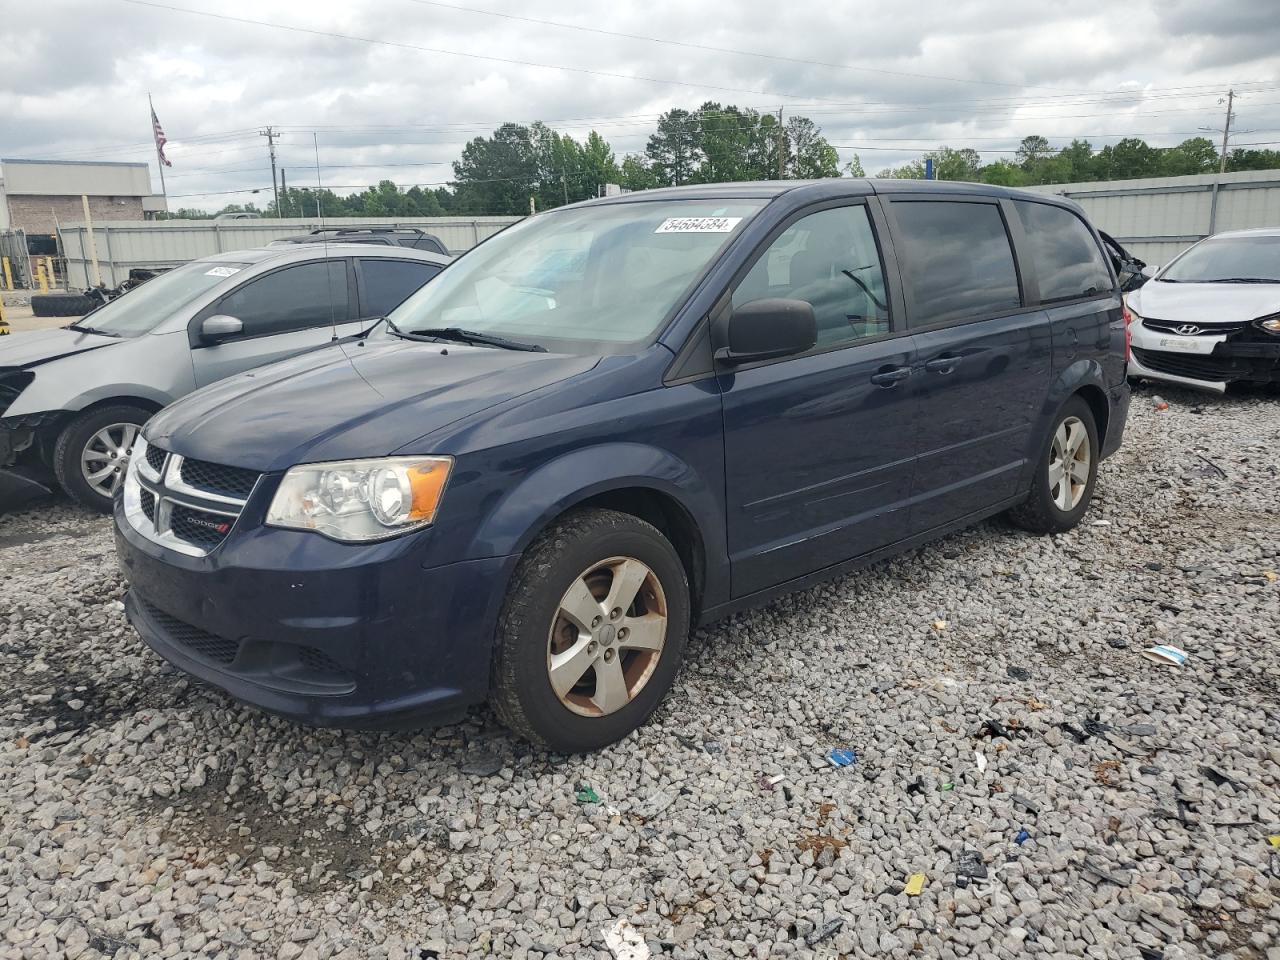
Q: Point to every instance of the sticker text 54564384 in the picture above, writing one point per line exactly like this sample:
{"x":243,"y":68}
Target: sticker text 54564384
{"x":698,"y":225}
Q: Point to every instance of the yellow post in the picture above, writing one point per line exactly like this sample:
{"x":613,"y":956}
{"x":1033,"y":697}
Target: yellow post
{"x":8,"y":275}
{"x":40,"y":278}
{"x":4,"y":324}
{"x":48,"y":271}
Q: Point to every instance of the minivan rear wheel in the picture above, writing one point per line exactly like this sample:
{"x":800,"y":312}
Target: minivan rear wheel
{"x":1064,"y":475}
{"x":592,"y":632}
{"x":93,"y":451}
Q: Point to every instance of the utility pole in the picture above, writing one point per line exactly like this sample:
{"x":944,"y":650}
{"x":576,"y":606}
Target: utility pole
{"x":782,"y":153}
{"x":271,"y":134}
{"x":1226,"y":133}
{"x":284,"y":189}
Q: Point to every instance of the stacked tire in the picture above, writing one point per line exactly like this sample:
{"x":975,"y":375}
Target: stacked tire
{"x":61,"y":304}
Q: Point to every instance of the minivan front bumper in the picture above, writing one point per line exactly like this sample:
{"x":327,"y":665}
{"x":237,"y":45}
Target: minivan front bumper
{"x":323,"y":633}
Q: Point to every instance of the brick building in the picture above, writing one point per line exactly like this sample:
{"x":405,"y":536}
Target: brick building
{"x":36,"y":195}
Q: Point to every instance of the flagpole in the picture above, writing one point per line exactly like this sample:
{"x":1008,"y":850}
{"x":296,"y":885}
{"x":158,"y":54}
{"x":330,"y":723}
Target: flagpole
{"x":159,"y":159}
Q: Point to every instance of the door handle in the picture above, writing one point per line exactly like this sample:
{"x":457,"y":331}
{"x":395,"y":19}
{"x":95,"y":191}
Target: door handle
{"x":889,"y":377}
{"x":943,"y":364}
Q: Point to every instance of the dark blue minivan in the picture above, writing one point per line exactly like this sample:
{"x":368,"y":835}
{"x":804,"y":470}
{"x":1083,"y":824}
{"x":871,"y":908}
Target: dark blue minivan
{"x":615,"y":421}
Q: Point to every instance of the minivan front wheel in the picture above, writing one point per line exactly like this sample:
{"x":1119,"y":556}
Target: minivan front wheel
{"x":1063,"y":479}
{"x":592,"y":632}
{"x":93,"y":451}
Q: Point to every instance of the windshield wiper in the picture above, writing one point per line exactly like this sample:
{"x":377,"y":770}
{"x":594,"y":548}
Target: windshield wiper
{"x":1241,"y":280}
{"x":432,"y":334}
{"x":81,"y":328}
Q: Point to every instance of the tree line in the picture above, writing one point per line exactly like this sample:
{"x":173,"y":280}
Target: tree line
{"x":519,"y":167}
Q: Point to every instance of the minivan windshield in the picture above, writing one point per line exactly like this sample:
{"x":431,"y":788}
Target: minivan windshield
{"x":586,"y":279}
{"x":141,"y":309}
{"x":1228,"y":260}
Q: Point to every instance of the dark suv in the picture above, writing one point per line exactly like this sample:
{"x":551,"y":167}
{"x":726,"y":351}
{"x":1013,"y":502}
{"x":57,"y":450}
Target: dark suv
{"x":615,"y":421}
{"x":410,"y":237}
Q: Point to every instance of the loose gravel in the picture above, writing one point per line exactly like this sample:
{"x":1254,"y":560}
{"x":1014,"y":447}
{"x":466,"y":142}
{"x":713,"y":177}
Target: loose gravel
{"x":1120,"y":808}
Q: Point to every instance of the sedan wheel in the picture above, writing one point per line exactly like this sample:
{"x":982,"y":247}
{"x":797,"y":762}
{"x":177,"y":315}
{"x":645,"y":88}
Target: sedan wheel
{"x":106,"y":457}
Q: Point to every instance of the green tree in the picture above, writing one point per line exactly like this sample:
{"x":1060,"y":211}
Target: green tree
{"x":912,"y":170}
{"x":498,"y":174}
{"x":1242,"y":159}
{"x":1032,"y":149}
{"x":1127,"y":160}
{"x":673,"y":149}
{"x":1079,"y":160}
{"x":812,"y":157}
{"x":854,"y":167}
{"x":1003,"y":173}
{"x":951,"y":164}
{"x":637,"y":173}
{"x":1196,"y":155}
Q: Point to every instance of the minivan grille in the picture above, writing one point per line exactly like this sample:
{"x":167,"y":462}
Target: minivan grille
{"x":187,"y":505}
{"x":219,"y":479}
{"x":200,"y":642}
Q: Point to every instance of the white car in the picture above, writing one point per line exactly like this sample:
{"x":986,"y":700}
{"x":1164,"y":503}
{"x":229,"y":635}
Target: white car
{"x":1211,"y":317}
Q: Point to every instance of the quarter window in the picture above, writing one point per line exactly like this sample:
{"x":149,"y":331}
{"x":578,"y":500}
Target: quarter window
{"x":1068,"y":262}
{"x":957,"y":262}
{"x":828,"y":259}
{"x":308,"y":295}
{"x":385,"y":284}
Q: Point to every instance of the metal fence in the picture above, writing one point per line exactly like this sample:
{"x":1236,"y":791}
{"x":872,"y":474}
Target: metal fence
{"x":123,"y":245}
{"x":1159,"y":217}
{"x":15,"y":264}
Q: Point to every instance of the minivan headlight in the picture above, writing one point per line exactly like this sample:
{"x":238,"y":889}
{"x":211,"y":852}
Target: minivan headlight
{"x":361,"y":500}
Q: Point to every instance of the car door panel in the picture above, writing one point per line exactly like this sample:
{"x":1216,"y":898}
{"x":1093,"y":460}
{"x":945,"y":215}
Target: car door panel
{"x":818,"y":454}
{"x":285,"y":312}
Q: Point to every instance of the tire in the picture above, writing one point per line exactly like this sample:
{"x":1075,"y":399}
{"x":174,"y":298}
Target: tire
{"x":581,"y":551}
{"x":1043,"y":511}
{"x":76,"y":438}
{"x":61,"y":304}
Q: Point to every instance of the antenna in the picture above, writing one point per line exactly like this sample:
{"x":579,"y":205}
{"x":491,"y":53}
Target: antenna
{"x":324,"y":239}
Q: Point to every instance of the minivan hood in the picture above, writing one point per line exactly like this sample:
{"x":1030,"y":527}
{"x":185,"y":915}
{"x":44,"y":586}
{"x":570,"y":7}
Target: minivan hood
{"x":40,"y":346}
{"x":349,"y":400}
{"x":1205,"y":303}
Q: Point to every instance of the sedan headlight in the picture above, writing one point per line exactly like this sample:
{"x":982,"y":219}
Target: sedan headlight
{"x":361,"y":500}
{"x":1270,"y":324}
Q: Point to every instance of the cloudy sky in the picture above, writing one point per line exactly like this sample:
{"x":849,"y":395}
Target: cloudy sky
{"x":886,"y":81}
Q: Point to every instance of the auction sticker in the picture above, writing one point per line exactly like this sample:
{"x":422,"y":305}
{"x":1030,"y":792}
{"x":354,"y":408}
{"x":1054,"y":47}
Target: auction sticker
{"x":223,"y":271}
{"x":698,"y":225}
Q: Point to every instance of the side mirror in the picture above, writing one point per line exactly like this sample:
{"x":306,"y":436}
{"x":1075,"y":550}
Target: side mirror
{"x":1150,"y":270}
{"x":219,"y":327}
{"x":765,"y":329}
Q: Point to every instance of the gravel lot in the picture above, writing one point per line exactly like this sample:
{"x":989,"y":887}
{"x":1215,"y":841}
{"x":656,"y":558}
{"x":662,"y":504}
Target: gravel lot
{"x":141,"y":813}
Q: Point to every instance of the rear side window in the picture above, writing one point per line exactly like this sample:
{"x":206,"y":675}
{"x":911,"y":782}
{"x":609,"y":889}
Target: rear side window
{"x":308,"y":295}
{"x":1068,"y":261}
{"x":385,"y":284}
{"x":957,"y":262}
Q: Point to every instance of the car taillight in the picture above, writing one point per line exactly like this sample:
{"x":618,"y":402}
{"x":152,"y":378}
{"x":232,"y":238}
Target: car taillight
{"x":1127,"y":316}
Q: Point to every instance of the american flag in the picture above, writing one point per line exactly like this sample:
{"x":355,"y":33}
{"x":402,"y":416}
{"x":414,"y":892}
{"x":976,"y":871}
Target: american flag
{"x":161,"y":140}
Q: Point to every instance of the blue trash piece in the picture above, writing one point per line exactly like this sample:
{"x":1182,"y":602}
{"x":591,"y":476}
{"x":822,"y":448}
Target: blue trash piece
{"x":1022,"y":837}
{"x":842,"y":758}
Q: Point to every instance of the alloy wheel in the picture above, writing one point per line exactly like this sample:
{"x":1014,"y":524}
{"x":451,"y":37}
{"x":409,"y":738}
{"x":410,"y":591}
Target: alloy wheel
{"x":1070,"y":458}
{"x":607,"y":636}
{"x":106,"y":457}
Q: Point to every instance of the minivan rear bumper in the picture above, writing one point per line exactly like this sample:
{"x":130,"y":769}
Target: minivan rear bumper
{"x":1117,"y":419}
{"x":380,"y":644}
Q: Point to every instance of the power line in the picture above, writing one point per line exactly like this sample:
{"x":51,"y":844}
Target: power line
{"x":703,"y":46}
{"x":333,"y":35}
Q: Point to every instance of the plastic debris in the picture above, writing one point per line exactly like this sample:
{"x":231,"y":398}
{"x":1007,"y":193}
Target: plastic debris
{"x":940,"y":625}
{"x":587,"y":795}
{"x":842,"y":757}
{"x":1022,"y":837}
{"x":768,"y":783}
{"x":981,"y":760}
{"x":947,"y":787}
{"x":1213,"y":467}
{"x":1018,"y":673}
{"x":1274,"y":840}
{"x":914,"y":885}
{"x":1100,"y":523}
{"x":1271,"y":576}
{"x":828,"y":929}
{"x":915,"y":786}
{"x":1159,"y":402}
{"x":1165,"y":653}
{"x":969,"y":867}
{"x":1020,"y":801}
{"x":625,"y":941}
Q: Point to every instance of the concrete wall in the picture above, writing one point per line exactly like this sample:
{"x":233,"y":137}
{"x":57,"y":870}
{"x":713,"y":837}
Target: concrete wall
{"x":1158,"y":217}
{"x":168,"y":243}
{"x":72,"y":178}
